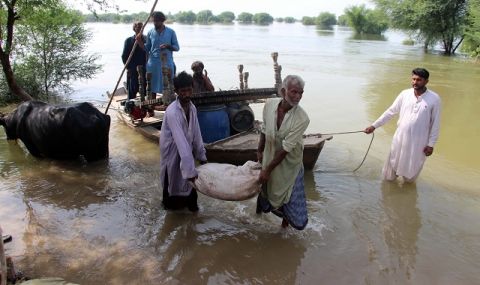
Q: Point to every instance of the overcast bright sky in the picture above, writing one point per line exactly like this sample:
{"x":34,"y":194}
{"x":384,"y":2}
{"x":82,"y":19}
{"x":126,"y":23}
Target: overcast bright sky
{"x":276,"y":8}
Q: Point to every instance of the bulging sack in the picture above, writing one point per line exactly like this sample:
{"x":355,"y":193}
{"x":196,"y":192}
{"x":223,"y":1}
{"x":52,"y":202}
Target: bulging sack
{"x":229,"y":182}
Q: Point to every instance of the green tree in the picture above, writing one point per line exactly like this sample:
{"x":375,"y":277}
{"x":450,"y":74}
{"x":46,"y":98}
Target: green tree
{"x":366,"y":21}
{"x":11,"y":12}
{"x":308,"y":21}
{"x":430,"y":21}
{"x":326,"y":20}
{"x":262,"y":19}
{"x":245,"y":18}
{"x":290,"y":20}
{"x":342,"y":20}
{"x":471,"y":43}
{"x":185,"y":17}
{"x":226,"y":17}
{"x":51,"y":44}
{"x":279,"y":20}
{"x":204,"y":17}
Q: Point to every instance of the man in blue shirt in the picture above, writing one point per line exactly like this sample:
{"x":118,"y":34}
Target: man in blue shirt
{"x":161,"y":40}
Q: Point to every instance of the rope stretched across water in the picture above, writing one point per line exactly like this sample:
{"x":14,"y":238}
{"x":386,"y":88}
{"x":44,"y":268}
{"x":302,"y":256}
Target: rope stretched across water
{"x":366,"y":153}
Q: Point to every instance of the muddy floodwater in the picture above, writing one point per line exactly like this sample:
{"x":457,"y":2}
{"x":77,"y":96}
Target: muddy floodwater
{"x":103,"y":223}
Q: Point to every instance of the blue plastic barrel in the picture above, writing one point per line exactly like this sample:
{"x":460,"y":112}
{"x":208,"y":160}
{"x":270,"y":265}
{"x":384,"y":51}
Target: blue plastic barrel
{"x":214,"y":122}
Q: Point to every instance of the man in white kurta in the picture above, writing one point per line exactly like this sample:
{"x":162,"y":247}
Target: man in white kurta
{"x":180,"y":144}
{"x":417,"y":128}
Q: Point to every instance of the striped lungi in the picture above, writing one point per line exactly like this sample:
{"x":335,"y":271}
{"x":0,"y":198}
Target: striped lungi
{"x":295,"y":210}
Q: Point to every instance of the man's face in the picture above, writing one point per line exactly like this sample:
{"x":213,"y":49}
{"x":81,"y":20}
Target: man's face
{"x":184,"y":94}
{"x":137,"y":28}
{"x":418,"y":83}
{"x":293,"y":93}
{"x":158,"y":23}
{"x":197,"y":69}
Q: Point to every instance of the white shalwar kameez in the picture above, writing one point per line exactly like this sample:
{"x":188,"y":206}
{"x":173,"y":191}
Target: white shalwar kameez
{"x":417,"y":127}
{"x":180,"y":144}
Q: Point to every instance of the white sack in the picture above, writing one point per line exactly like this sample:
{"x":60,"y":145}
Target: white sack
{"x":229,"y":182}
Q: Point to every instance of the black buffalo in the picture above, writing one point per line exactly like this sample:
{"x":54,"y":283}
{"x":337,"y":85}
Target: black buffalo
{"x":59,"y":132}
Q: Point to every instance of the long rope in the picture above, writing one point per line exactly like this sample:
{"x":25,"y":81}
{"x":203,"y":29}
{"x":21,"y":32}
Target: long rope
{"x":366,"y":153}
{"x":130,"y":56}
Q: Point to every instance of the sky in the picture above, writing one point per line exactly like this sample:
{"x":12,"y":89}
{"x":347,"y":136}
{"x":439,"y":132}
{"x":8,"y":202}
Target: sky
{"x":276,"y":8}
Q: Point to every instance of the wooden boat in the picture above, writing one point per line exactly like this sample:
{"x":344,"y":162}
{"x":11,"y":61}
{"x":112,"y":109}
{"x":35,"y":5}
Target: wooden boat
{"x":239,"y":148}
{"x":236,"y":149}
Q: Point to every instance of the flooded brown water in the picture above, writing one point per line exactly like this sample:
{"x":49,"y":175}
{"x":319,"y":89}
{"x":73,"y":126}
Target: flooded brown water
{"x":102,"y":223}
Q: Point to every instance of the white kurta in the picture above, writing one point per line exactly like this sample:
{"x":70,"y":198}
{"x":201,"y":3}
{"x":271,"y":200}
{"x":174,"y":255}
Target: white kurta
{"x":288,"y":137}
{"x":180,"y":144}
{"x":417,"y":127}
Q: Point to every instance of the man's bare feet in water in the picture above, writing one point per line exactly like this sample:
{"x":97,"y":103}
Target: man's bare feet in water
{"x":284,"y":223}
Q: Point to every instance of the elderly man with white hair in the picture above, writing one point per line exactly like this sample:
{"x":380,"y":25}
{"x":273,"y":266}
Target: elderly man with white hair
{"x":281,"y":152}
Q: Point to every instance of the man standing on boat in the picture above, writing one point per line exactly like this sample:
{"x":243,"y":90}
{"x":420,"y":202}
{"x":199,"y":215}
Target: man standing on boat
{"x":281,"y":152}
{"x":180,"y":144}
{"x":201,"y":82}
{"x":417,"y":131}
{"x":161,"y":40}
{"x":139,"y":57}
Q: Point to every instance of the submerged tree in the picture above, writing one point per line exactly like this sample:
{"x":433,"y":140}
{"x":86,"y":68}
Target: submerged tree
{"x":204,"y":17}
{"x":366,"y":21}
{"x":185,"y":17}
{"x":326,"y":20}
{"x":308,"y":21}
{"x":245,"y":18}
{"x":262,"y":19}
{"x":226,"y":17}
{"x":471,"y":43}
{"x":430,"y":21}
{"x":342,"y":20}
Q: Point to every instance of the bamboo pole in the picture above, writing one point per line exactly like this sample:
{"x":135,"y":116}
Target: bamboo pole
{"x":130,"y":56}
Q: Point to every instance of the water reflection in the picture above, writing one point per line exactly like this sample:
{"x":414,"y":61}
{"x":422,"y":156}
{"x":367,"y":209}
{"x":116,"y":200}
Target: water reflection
{"x":368,"y":37}
{"x":57,"y":182}
{"x":325,"y":31}
{"x":401,"y":226}
{"x":198,"y":250}
{"x":13,"y":153}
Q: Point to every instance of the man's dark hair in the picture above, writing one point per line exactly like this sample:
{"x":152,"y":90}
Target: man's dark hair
{"x":197,"y":63}
{"x":422,"y":72}
{"x":159,"y":16}
{"x":183,"y":79}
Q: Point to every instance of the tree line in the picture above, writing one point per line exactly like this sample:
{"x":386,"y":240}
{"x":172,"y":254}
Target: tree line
{"x":188,"y":17}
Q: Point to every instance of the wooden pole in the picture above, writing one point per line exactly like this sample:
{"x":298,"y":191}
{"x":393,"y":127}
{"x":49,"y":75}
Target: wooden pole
{"x":277,"y":70}
{"x":130,"y":56}
{"x":3,"y":262}
{"x":240,"y":70}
